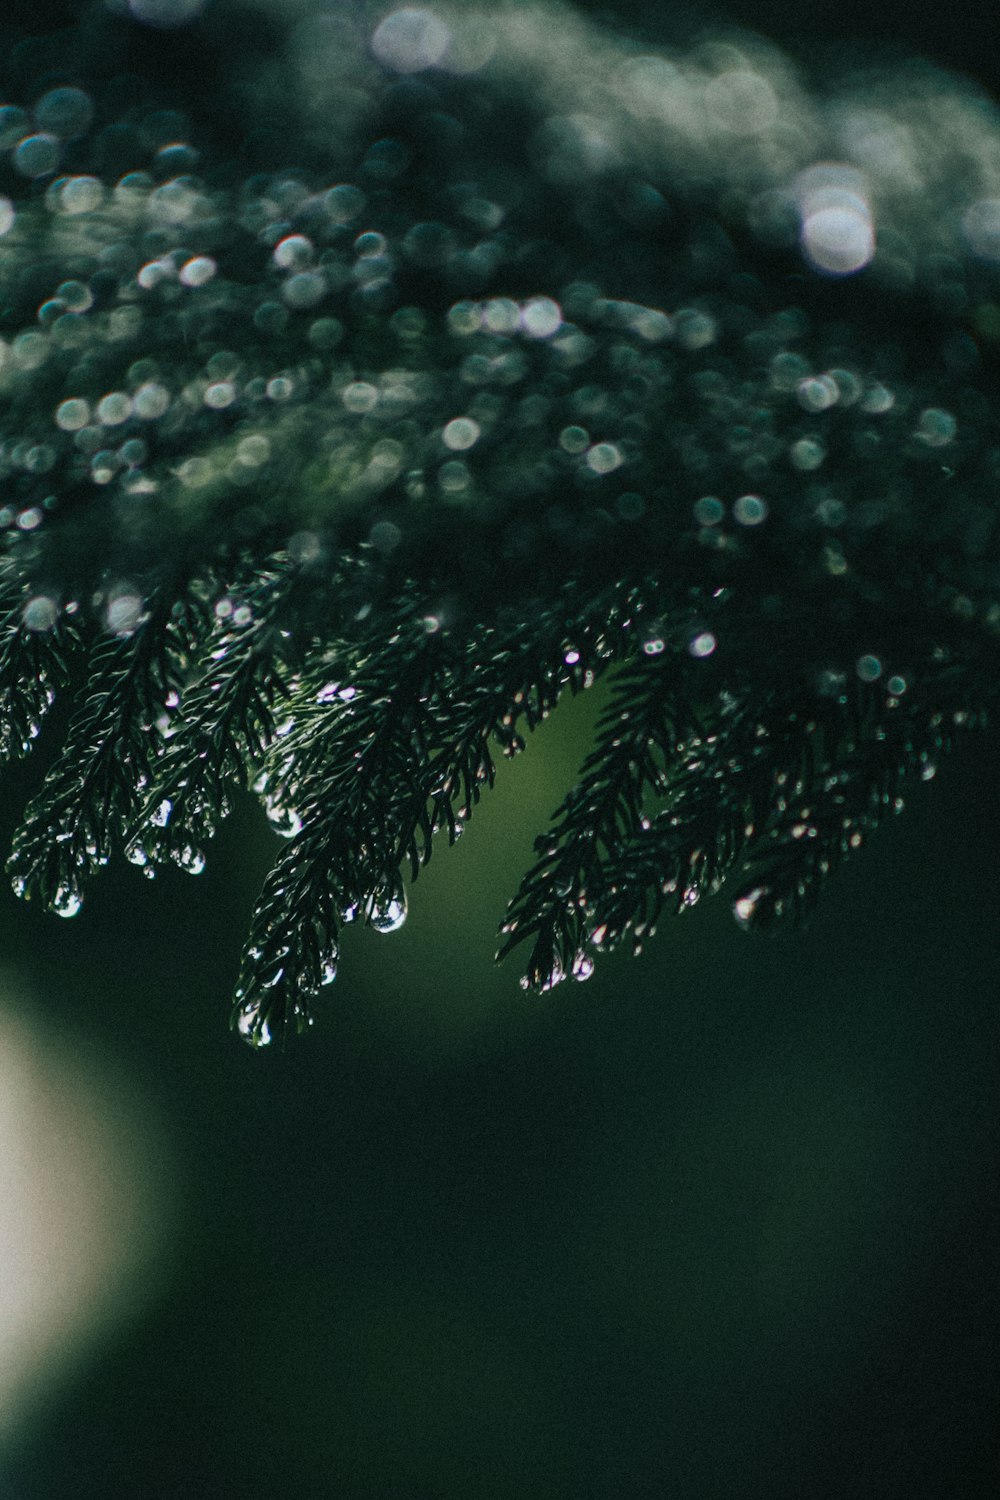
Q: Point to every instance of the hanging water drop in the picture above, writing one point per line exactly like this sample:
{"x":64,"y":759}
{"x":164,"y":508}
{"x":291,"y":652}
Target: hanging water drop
{"x":284,"y":820}
{"x":161,"y":817}
{"x":192,"y":861}
{"x":745,"y":907}
{"x":254,"y":1031}
{"x":389,"y":917}
{"x":556,"y":976}
{"x":583,"y":967}
{"x":66,"y":902}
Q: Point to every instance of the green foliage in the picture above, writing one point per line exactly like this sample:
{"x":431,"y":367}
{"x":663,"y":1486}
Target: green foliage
{"x":330,"y":481}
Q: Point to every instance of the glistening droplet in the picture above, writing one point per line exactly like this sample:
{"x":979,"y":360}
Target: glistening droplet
{"x":66,"y":902}
{"x":284,"y":820}
{"x":745,"y":907}
{"x":389,"y":916}
{"x":254,"y":1031}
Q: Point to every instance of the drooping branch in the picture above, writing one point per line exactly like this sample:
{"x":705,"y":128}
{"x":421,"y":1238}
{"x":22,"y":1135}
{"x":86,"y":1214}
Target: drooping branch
{"x":554,"y":355}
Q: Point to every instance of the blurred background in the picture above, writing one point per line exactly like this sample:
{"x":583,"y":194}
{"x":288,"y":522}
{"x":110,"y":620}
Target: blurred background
{"x":721,"y":1223}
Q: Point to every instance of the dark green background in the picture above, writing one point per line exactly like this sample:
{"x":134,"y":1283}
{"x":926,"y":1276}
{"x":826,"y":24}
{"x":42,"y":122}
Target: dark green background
{"x":721,"y":1223}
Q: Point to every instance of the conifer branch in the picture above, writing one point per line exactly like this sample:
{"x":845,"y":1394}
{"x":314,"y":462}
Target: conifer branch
{"x":636,"y":741}
{"x":219,"y":727}
{"x":853,"y":787}
{"x":368,"y":776}
{"x":34,"y":649}
{"x":330,"y":482}
{"x":75,"y":821}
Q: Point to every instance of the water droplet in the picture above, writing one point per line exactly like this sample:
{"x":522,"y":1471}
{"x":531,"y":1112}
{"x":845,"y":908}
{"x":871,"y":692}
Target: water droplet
{"x":541,"y":317}
{"x":254,"y":1031}
{"x":124,"y":613}
{"x":284,"y":820}
{"x":868,"y":668}
{"x":604,"y":458}
{"x":583,"y":967}
{"x":937,"y":427}
{"x":36,"y":155}
{"x":40,"y":613}
{"x":390,"y":916}
{"x":161,"y":817}
{"x":702,"y":645}
{"x":750,"y":510}
{"x":66,"y":112}
{"x":66,"y":902}
{"x":294,"y":252}
{"x":460,"y":434}
{"x":709,"y":511}
{"x":410,"y":40}
{"x":555,"y":976}
{"x":745,"y":907}
{"x":197,"y":271}
{"x":192,"y":861}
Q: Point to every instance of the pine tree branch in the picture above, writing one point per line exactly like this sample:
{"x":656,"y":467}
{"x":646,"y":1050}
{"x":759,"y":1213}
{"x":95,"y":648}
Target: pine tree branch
{"x":34,"y":648}
{"x":385,"y":772}
{"x":636,"y":739}
{"x":848,"y":796}
{"x":340,"y":862}
{"x":221,"y":725}
{"x":341,"y":476}
{"x":92,"y":790}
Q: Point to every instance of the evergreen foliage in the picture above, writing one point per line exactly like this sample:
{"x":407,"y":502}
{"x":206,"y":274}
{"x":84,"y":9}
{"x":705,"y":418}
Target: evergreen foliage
{"x":539,"y":364}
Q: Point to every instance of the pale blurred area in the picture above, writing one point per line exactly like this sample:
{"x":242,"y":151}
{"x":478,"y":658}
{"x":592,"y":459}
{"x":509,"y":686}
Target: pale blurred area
{"x":85,"y":1175}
